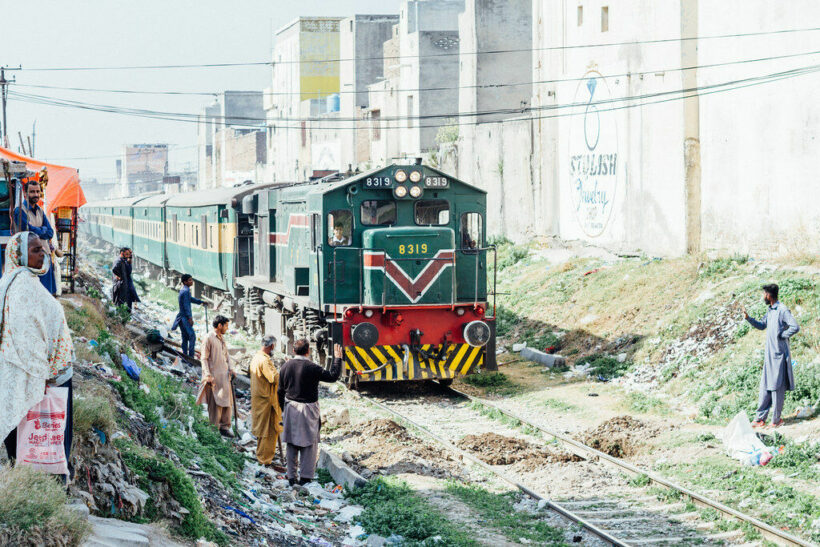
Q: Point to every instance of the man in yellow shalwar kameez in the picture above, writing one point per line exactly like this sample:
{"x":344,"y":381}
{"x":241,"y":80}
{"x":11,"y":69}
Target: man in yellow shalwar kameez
{"x":265,"y":411}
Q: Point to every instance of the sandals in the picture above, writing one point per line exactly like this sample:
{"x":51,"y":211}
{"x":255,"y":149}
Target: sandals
{"x":776,"y":424}
{"x":758,"y":423}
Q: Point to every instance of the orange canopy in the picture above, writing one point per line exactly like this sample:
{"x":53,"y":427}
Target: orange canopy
{"x":63,"y":188}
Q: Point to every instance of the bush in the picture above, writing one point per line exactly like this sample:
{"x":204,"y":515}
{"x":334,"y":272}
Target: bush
{"x":32,"y":504}
{"x":605,"y":366}
{"x":721,"y":266}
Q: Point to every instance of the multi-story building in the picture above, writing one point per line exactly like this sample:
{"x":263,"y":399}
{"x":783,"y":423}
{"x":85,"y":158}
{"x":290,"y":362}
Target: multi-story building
{"x":305,"y":66}
{"x":142,"y":168}
{"x":230,"y":144}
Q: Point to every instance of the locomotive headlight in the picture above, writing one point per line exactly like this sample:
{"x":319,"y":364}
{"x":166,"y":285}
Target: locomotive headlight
{"x":415,"y":176}
{"x":415,"y":191}
{"x":368,"y":313}
{"x":365,"y":335}
{"x":400,"y":176}
{"x":400,"y":191}
{"x":477,"y":333}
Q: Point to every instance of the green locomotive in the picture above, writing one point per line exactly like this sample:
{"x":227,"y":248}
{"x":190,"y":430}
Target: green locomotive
{"x":392,"y":264}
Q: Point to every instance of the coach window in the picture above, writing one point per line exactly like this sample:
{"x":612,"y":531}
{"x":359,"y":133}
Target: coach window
{"x":432,"y":212}
{"x":471,"y":231}
{"x":340,"y":228}
{"x":378,"y":212}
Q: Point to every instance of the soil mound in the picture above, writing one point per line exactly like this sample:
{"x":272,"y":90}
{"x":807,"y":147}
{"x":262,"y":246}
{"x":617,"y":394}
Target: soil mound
{"x":622,"y":436}
{"x":496,"y":449}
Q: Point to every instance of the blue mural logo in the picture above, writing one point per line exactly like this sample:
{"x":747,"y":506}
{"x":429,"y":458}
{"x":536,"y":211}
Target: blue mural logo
{"x":593,"y":157}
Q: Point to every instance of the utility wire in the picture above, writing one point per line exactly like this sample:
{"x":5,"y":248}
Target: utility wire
{"x":420,"y":56}
{"x":460,"y":117}
{"x":442,"y":88}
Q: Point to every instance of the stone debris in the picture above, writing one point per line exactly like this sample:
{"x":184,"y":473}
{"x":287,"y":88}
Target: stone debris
{"x":519,"y":346}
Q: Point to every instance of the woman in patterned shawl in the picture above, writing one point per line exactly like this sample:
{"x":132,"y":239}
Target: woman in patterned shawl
{"x":35,"y":342}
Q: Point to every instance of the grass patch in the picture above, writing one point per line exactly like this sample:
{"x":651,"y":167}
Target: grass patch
{"x":492,"y":382}
{"x":391,"y":507}
{"x":32,"y":507}
{"x":604,"y":366}
{"x":722,"y":266}
{"x":497,"y":511}
{"x":640,"y":480}
{"x":796,"y":457}
{"x":323,"y":476}
{"x":168,"y":406}
{"x":774,"y":502}
{"x":646,"y":404}
{"x":153,"y":469}
{"x":93,"y":412}
{"x":558,"y":405}
{"x":84,"y":320}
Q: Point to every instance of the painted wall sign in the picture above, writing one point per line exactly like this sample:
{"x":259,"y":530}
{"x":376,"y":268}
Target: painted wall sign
{"x":593,"y":155}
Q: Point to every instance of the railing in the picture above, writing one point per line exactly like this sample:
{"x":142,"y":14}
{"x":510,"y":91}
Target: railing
{"x":478,"y":252}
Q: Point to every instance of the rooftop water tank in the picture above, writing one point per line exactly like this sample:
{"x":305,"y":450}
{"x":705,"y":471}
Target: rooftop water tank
{"x":333,"y":103}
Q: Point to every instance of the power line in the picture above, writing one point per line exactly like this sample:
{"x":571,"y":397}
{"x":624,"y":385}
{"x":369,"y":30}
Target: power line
{"x":442,"y":88}
{"x":685,"y":93}
{"x":420,"y":56}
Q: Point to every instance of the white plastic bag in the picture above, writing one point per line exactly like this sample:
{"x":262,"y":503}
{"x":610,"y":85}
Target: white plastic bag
{"x":41,"y":433}
{"x":740,"y":440}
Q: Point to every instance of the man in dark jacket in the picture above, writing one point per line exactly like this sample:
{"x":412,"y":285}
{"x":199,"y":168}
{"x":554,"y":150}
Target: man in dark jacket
{"x":123,"y":291}
{"x":185,"y":319}
{"x":298,"y":394}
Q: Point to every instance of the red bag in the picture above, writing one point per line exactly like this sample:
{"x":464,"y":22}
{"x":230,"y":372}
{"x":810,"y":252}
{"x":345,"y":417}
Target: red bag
{"x":41,"y":433}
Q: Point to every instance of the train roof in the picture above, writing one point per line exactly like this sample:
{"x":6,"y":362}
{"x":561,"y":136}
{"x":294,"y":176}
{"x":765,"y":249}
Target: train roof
{"x":153,"y":201}
{"x":217,"y":196}
{"x":117,"y":202}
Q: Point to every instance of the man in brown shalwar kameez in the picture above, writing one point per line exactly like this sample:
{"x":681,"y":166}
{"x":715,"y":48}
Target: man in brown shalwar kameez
{"x":265,"y":409}
{"x":299,"y":395}
{"x":216,"y":377}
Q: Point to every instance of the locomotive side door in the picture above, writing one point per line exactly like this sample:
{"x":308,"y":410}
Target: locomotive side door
{"x":471,"y":263}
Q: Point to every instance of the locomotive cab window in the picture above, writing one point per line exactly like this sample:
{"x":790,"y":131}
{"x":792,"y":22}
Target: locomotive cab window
{"x":471,"y":232}
{"x":378,"y":212}
{"x":339,"y":228}
{"x":432,"y":212}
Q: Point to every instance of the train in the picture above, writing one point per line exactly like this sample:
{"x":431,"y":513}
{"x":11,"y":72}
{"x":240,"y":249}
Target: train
{"x":391,"y":264}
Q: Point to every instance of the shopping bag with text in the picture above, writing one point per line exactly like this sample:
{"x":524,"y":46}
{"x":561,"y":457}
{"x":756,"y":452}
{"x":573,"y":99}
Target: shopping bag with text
{"x":41,"y":433}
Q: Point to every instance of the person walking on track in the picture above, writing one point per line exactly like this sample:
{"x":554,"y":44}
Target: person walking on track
{"x":185,"y":319}
{"x":216,"y":388}
{"x":265,"y":410}
{"x":778,"y":377}
{"x":299,"y":396}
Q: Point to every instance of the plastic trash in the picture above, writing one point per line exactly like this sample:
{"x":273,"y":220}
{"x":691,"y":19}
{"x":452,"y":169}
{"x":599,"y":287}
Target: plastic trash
{"x":130,"y":367}
{"x":742,"y":444}
{"x":40,"y":433}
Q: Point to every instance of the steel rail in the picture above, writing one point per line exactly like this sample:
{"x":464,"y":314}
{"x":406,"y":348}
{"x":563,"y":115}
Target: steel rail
{"x":589,"y":453}
{"x":560,"y":509}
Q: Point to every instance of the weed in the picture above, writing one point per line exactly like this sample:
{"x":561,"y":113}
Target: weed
{"x":801,"y":457}
{"x":640,"y":480}
{"x":641,"y":402}
{"x":706,"y":437}
{"x":168,"y":405}
{"x":323,"y":476}
{"x":497,"y":511}
{"x":153,"y":468}
{"x":94,"y":293}
{"x":605,"y":366}
{"x":32,"y":504}
{"x":121,"y":313}
{"x":665,"y":494}
{"x":91,"y":412}
{"x":721,"y":266}
{"x":391,"y":507}
{"x":510,"y":255}
{"x":560,"y":406}
{"x":492,"y":382}
{"x":777,"y":503}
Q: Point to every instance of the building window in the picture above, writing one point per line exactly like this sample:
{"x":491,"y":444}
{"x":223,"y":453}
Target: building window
{"x":580,"y":15}
{"x":604,"y":18}
{"x":376,"y":124}
{"x":409,"y":111}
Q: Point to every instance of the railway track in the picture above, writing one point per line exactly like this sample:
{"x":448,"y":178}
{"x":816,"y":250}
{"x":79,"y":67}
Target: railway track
{"x":615,"y":520}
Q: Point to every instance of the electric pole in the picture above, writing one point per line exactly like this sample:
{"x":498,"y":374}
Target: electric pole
{"x":4,"y":93}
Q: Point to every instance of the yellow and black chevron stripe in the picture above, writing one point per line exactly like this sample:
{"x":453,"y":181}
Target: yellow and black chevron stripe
{"x":460,"y":359}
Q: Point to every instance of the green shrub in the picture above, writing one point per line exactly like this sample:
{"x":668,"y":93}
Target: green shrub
{"x":605,"y":366}
{"x":721,"y":266}
{"x":391,"y":507}
{"x":493,"y":382}
{"x":94,"y":293}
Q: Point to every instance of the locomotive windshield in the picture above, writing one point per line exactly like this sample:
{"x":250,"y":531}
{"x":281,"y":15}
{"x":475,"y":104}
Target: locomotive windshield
{"x":378,"y":212}
{"x":432,"y":212}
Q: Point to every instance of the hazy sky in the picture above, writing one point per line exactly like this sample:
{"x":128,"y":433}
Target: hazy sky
{"x":38,"y":33}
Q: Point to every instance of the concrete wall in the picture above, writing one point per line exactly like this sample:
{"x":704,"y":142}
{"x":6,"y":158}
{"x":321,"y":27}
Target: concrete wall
{"x":759,"y":145}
